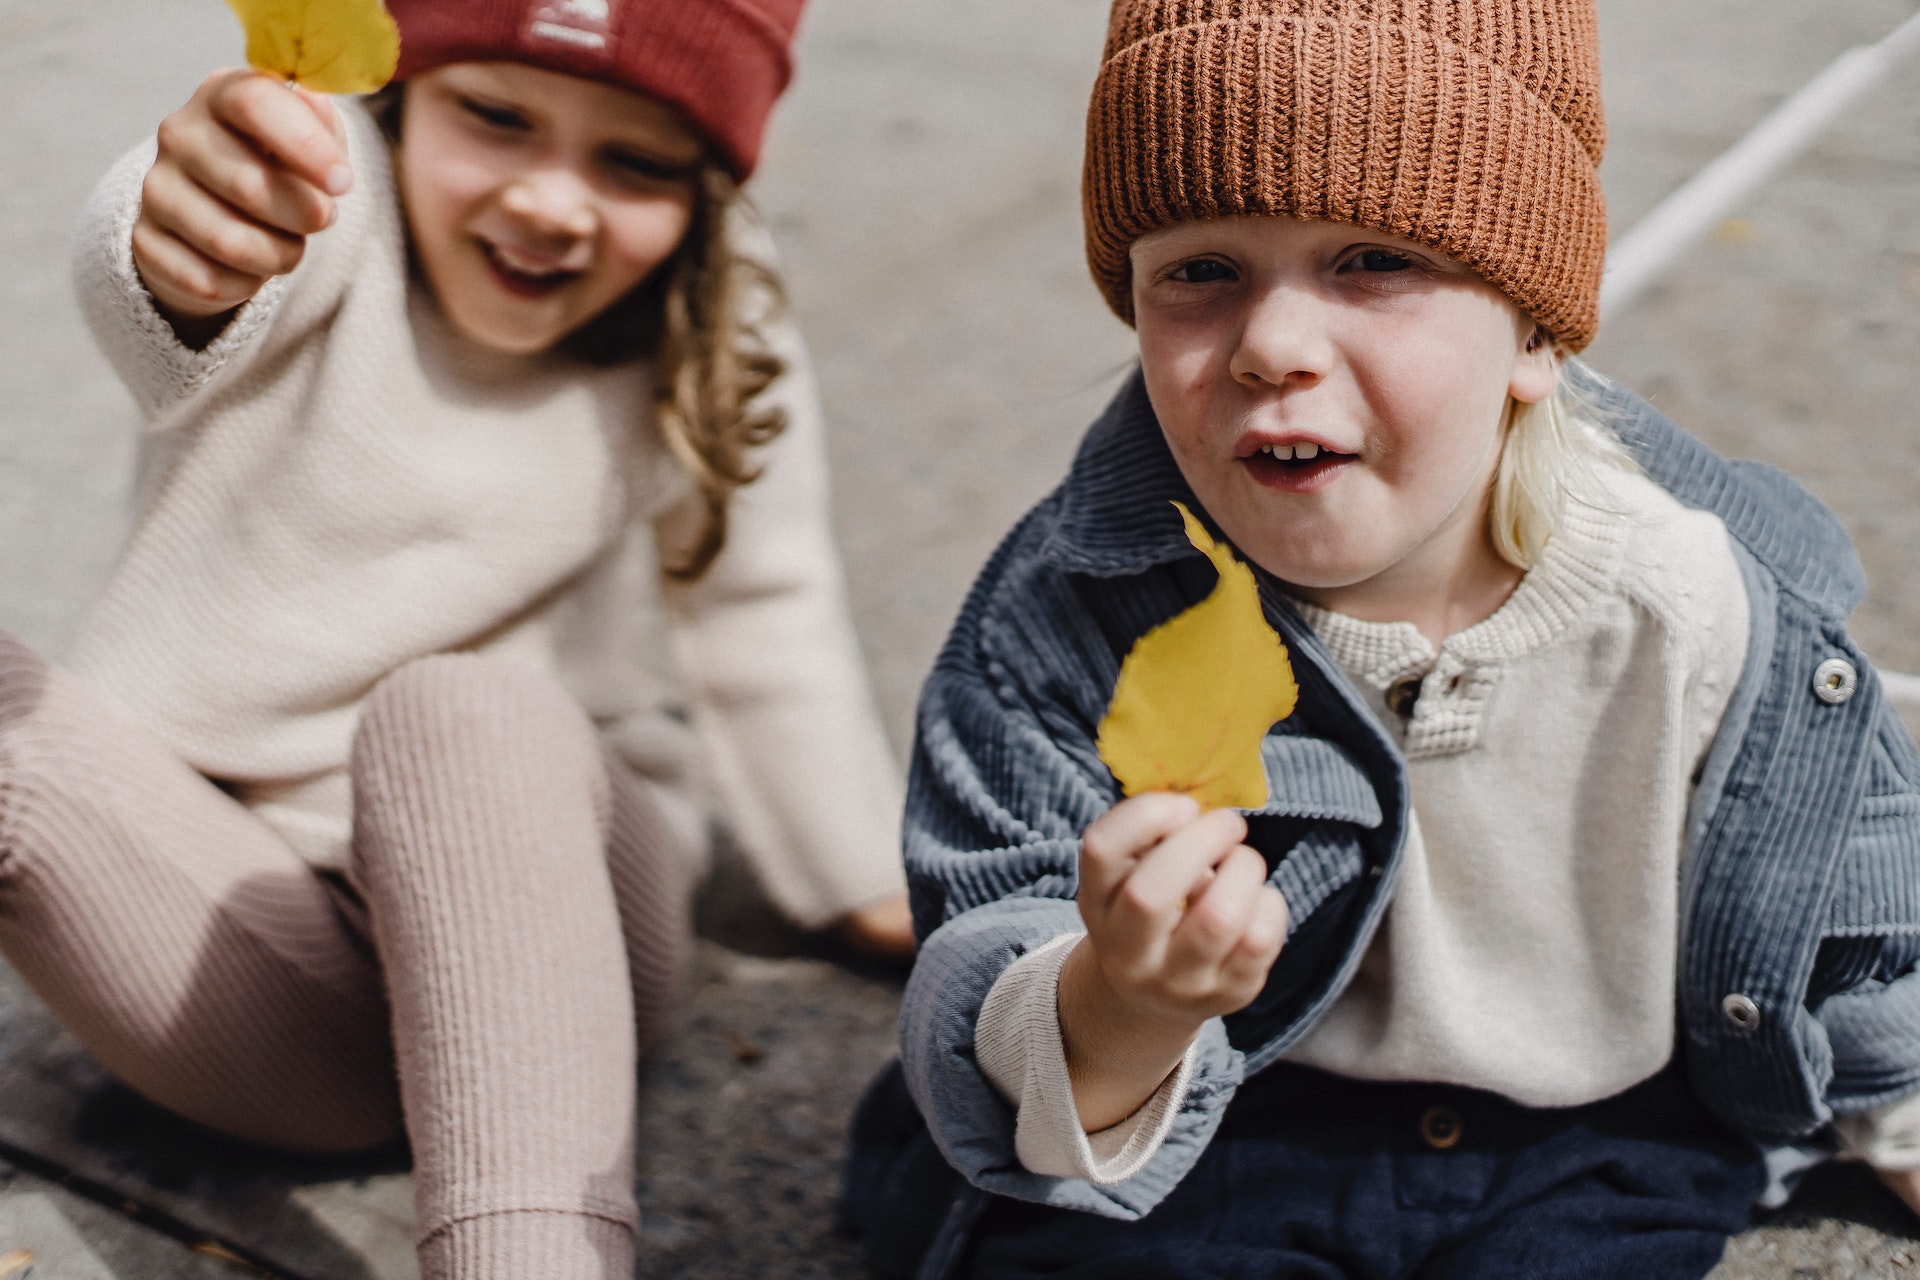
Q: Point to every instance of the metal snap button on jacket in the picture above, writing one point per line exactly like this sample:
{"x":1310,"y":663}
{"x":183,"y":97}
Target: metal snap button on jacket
{"x":1741,"y":1012}
{"x":1834,"y":681}
{"x":1441,"y":1128}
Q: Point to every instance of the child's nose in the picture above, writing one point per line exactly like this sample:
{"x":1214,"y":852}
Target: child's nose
{"x":1285,"y":340}
{"x":552,"y":201}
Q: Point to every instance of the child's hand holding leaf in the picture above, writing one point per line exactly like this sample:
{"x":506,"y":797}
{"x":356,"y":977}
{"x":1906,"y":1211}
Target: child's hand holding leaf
{"x":251,"y":166}
{"x":1181,"y":927}
{"x":245,"y":172}
{"x":1181,"y":924}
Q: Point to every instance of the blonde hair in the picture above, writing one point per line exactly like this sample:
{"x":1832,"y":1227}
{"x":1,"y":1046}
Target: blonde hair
{"x":1555,"y":453}
{"x":703,"y":316}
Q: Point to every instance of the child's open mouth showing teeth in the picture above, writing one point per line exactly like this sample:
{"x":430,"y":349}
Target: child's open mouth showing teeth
{"x":520,"y":276}
{"x":1290,"y":465}
{"x":1302,"y":452}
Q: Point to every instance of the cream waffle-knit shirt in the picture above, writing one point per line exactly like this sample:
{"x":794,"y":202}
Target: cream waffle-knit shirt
{"x":341,"y":483}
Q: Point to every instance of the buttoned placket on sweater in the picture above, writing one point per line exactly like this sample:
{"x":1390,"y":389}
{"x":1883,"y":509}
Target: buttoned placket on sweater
{"x":1548,"y":979}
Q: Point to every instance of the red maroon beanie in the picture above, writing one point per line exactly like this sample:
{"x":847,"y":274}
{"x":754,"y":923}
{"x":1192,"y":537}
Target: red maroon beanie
{"x":722,"y":63}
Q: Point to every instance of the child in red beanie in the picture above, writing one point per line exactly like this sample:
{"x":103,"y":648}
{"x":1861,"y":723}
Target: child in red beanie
{"x":450,"y":396}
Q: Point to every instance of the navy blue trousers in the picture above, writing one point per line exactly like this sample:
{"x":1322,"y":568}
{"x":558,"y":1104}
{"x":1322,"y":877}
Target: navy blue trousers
{"x":1313,"y":1175}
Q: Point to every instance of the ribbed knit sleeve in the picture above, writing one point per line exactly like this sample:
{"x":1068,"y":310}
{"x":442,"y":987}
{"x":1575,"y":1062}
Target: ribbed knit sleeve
{"x":1022,"y":1050}
{"x":765,"y":646}
{"x":1886,"y":1137}
{"x":158,"y":369}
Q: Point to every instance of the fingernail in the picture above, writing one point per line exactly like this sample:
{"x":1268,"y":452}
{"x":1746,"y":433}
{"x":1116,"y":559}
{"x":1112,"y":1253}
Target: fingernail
{"x":339,"y":180}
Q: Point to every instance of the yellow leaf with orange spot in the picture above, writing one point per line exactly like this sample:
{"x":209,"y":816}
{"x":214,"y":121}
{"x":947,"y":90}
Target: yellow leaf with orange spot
{"x":328,"y":46}
{"x":1199,"y":692}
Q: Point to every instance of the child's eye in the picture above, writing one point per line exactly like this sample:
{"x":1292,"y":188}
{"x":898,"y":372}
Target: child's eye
{"x":1203,"y":271}
{"x":636,"y":166}
{"x":498,"y":117}
{"x":1381,"y":260}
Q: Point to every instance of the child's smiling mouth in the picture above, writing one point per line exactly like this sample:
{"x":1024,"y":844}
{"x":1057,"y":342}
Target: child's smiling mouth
{"x":1298,"y":466}
{"x":525,"y":277}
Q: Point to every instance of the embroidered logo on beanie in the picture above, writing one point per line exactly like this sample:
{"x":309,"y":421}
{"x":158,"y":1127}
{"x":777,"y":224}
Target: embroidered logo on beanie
{"x":721,"y":63}
{"x":583,"y":24}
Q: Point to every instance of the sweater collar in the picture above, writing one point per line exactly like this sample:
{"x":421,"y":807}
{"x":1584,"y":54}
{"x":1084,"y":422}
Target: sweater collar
{"x":1785,"y":528}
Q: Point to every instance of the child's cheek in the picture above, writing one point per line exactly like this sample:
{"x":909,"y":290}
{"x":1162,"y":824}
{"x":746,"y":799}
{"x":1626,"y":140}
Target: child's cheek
{"x":643,"y":237}
{"x":1182,"y":363}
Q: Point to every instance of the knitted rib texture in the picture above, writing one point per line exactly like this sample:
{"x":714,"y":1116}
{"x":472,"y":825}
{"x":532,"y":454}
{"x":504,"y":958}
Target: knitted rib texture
{"x":722,"y":63}
{"x":1470,"y":126}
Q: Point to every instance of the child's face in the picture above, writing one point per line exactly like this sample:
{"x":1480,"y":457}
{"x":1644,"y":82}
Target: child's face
{"x":537,"y":200}
{"x":1335,"y":396}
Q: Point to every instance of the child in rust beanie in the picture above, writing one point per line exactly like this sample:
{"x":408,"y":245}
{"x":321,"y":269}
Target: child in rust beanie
{"x":1581,"y":877}
{"x":358,"y":811}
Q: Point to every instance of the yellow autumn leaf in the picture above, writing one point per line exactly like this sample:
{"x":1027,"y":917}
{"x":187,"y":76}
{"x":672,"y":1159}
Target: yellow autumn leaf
{"x":1199,"y":692}
{"x":328,"y":46}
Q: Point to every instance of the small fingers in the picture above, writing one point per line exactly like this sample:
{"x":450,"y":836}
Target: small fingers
{"x":229,"y":169}
{"x":1179,"y":867}
{"x":285,"y":128}
{"x":176,"y":204}
{"x":184,"y":281}
{"x":1117,"y":839}
{"x":1218,"y":918}
{"x":1149,"y":903}
{"x":1244,"y":971}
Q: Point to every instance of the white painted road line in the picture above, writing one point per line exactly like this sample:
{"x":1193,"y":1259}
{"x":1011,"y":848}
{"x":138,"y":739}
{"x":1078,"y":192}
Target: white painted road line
{"x":1643,"y":255}
{"x":1902,"y":690}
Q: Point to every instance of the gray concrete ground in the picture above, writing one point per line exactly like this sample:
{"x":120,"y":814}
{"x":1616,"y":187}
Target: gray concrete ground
{"x":923,"y":184}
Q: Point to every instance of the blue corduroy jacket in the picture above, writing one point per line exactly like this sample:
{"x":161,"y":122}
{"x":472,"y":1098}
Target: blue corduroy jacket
{"x":1800,"y":911}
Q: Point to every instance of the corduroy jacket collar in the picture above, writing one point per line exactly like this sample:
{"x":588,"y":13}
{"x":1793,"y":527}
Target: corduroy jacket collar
{"x":1123,"y":477}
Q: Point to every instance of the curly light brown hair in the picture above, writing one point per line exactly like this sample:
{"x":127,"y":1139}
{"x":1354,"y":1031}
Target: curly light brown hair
{"x":703,"y":318}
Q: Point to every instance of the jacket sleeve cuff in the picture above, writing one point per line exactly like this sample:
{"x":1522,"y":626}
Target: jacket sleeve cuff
{"x":1020,"y":1047}
{"x":972,"y":1121}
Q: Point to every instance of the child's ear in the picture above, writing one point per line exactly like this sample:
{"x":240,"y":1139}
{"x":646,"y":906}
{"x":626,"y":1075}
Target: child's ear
{"x":1536,"y":368}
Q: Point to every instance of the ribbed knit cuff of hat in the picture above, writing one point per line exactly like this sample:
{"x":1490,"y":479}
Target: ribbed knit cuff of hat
{"x":1473,"y":128}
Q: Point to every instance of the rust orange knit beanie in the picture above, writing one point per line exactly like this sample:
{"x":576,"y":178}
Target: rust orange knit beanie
{"x":1470,"y":126}
{"x":721,"y":63}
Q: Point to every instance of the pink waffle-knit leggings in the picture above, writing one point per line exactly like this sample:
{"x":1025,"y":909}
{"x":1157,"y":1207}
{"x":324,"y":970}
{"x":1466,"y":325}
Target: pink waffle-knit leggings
{"x":525,"y":927}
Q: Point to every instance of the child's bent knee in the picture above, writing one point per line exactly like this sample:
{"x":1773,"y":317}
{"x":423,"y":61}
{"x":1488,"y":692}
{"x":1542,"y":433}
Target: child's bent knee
{"x":471,"y":705}
{"x":453,"y":737}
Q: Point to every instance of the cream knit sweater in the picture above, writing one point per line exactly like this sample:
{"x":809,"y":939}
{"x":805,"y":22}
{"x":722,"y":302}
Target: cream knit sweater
{"x":341,"y":483}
